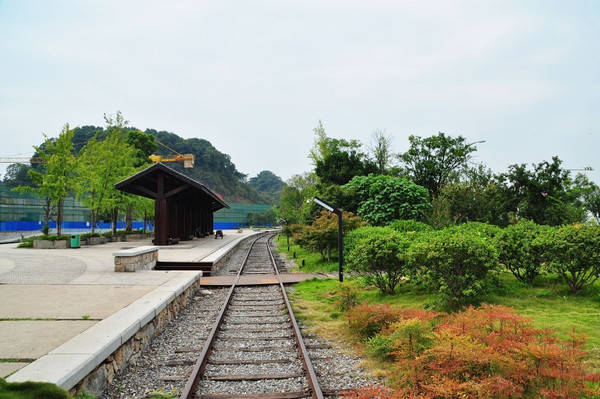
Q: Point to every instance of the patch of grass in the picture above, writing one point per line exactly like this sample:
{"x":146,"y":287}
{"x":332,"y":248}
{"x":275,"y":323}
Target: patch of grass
{"x":547,"y":303}
{"x":313,"y":263}
{"x":85,"y":317}
{"x":31,"y":390}
{"x":163,"y":395}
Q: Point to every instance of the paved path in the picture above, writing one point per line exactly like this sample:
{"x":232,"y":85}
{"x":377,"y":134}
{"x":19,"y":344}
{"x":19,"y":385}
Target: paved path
{"x":48,"y":296}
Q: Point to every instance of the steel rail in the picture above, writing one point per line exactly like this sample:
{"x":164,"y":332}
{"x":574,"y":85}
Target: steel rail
{"x":188,"y":390}
{"x":311,"y":375}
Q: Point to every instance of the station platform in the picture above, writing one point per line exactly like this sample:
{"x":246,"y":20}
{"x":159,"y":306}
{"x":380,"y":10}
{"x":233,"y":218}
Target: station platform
{"x":50,"y":297}
{"x":65,"y":314}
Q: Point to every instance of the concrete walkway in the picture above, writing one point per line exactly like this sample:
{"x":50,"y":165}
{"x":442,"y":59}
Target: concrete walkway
{"x":48,"y":297}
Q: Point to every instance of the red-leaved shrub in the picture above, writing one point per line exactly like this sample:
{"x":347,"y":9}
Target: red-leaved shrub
{"x":366,"y":320}
{"x":486,"y":352}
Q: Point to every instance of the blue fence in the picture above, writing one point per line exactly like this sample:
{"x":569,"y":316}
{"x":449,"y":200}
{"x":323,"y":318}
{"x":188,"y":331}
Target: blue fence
{"x":31,"y":226}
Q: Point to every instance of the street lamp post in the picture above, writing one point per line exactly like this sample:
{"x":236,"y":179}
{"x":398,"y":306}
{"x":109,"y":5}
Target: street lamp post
{"x":338,"y":212}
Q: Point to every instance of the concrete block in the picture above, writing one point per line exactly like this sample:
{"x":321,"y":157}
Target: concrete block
{"x":64,"y":370}
{"x":136,"y":251}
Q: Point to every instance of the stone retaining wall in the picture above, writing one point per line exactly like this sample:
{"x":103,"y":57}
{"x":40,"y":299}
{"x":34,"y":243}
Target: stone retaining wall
{"x":98,"y":380}
{"x":49,"y":244}
{"x":145,"y":261}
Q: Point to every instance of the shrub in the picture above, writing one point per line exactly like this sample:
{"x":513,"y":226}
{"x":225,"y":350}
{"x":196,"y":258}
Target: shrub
{"x":322,"y":235}
{"x":382,"y":259}
{"x":515,"y":251}
{"x":31,"y":390}
{"x":411,"y":337}
{"x":355,"y":236}
{"x":374,"y":392}
{"x":409,"y":225}
{"x":380,"y":346}
{"x":573,"y":252}
{"x":348,"y":297}
{"x":366,"y":320}
{"x":477,"y":228}
{"x":492,"y":352}
{"x":458,"y":265}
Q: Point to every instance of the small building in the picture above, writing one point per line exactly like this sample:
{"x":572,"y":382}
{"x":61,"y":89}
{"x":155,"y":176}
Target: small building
{"x":183,"y":207}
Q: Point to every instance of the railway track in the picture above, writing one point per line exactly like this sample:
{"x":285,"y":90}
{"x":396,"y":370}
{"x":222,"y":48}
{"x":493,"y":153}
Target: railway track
{"x":255,"y":345}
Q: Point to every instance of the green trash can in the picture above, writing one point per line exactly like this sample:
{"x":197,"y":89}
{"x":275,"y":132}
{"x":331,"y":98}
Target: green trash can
{"x":75,"y":241}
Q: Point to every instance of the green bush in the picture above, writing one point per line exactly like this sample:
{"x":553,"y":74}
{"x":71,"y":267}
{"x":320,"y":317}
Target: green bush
{"x":515,"y":251}
{"x":348,"y":297}
{"x":382,"y":259}
{"x":477,"y":228}
{"x":355,"y":236}
{"x":409,"y":225}
{"x":380,"y":347}
{"x":31,"y":390}
{"x":89,"y":235}
{"x":459,"y":265}
{"x":573,"y":252}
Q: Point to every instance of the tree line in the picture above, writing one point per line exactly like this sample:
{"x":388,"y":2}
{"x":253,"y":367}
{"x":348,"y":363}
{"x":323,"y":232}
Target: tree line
{"x":438,"y":177}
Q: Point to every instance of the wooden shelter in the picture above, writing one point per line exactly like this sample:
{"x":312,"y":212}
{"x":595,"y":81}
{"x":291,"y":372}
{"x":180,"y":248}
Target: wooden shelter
{"x":183,"y":207}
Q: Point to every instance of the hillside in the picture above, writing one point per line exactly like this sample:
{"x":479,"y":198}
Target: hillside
{"x":212,"y":167}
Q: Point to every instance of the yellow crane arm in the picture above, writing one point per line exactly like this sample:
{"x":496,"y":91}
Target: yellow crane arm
{"x":188,"y":159}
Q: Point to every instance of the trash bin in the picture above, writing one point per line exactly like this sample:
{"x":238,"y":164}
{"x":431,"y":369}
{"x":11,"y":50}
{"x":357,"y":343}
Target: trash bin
{"x":75,"y":241}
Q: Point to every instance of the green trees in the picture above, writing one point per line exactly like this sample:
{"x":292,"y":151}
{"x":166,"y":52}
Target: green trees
{"x":16,"y":175}
{"x":103,"y":163}
{"x":383,"y":198}
{"x":322,"y":235}
{"x":268,"y":183}
{"x":435,"y":161}
{"x":546,"y":194}
{"x":382,"y":259}
{"x":57,"y":176}
{"x":296,"y":198}
{"x":338,"y":160}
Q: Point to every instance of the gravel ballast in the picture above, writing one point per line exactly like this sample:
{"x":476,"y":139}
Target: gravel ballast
{"x":167,"y":362}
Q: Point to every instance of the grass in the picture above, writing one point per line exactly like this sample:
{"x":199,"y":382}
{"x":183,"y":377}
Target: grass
{"x":35,"y":390}
{"x":547,"y":303}
{"x":312,"y":261}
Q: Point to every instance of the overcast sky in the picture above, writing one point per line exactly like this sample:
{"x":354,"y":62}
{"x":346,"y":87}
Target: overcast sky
{"x":254,"y":78}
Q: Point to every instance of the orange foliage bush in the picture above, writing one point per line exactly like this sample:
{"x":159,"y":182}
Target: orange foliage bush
{"x":366,"y":320}
{"x":490,"y":352}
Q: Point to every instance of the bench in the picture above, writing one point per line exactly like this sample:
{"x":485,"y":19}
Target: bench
{"x":134,"y":259}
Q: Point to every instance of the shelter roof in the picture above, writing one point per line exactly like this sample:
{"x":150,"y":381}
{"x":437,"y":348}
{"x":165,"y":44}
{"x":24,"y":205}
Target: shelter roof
{"x":145,"y":184}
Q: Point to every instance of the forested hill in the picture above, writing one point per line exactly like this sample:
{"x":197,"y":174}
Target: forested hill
{"x":211,"y":167}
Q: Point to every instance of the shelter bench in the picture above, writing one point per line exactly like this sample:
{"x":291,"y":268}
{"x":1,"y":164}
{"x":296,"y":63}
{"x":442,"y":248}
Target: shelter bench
{"x":134,"y":259}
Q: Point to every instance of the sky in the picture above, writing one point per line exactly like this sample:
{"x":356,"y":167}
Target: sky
{"x":254,"y":78}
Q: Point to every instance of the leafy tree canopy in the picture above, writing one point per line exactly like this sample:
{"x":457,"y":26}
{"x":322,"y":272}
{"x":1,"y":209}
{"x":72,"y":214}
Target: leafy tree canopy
{"x":16,"y":175}
{"x":545,"y":194}
{"x":268,"y":183}
{"x":383,"y":198}
{"x":435,"y":161}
